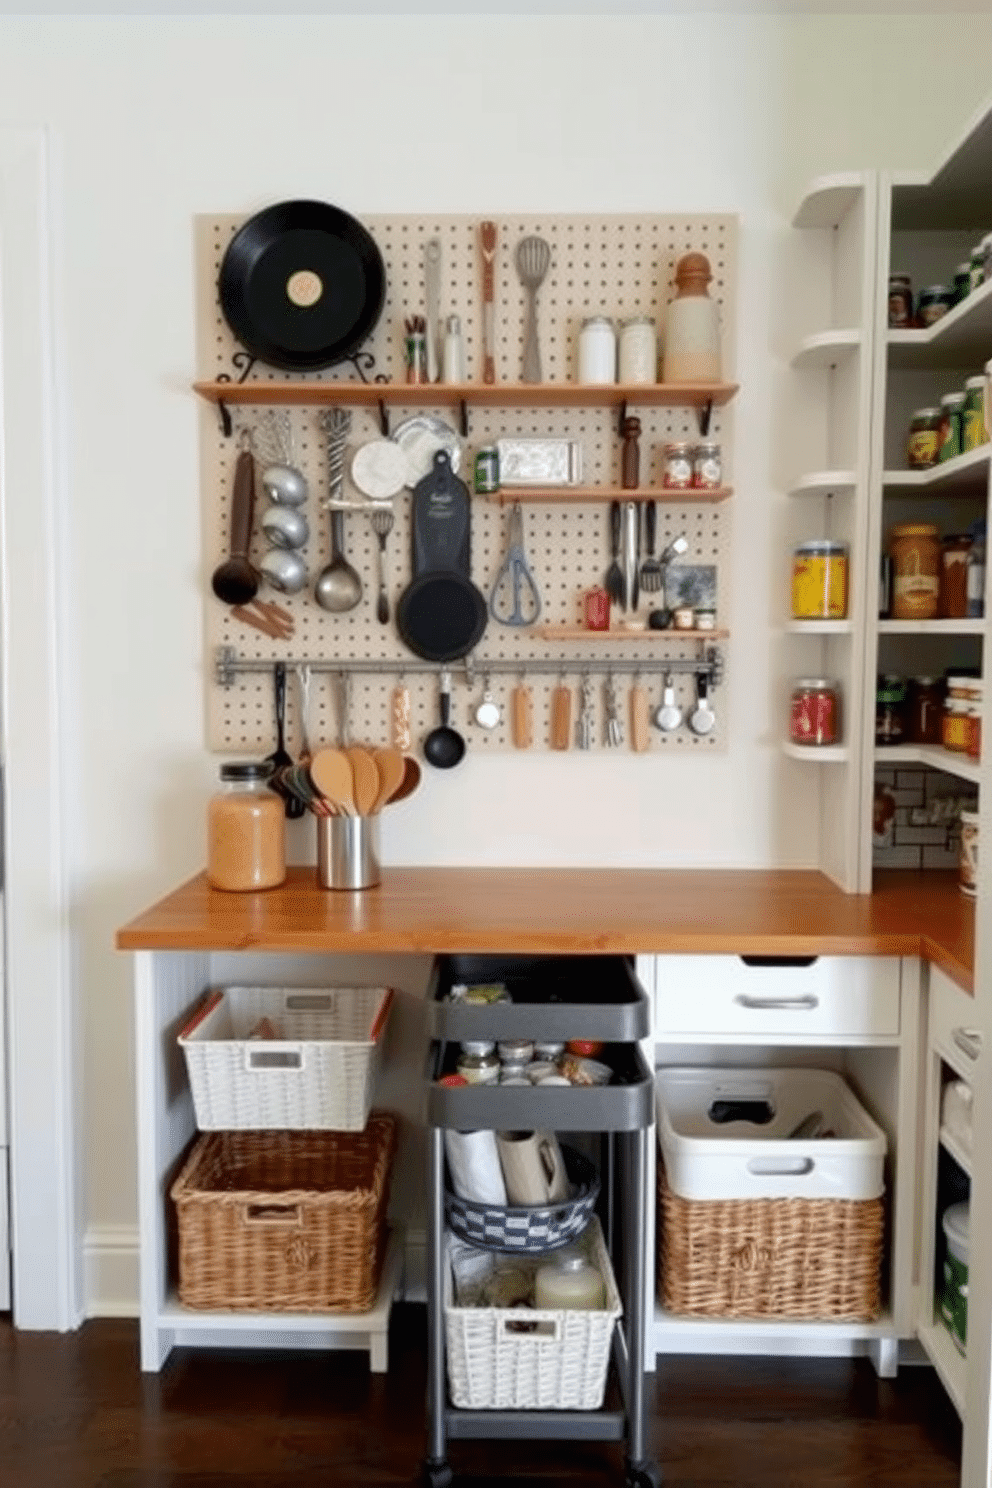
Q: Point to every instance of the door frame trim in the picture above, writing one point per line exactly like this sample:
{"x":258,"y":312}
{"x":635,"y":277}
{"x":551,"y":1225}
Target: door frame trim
{"x":45,"y":1133}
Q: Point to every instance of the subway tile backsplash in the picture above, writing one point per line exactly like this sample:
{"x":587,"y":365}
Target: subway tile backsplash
{"x":917,"y":818}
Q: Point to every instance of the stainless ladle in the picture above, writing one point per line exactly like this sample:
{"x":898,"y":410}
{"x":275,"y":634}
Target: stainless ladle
{"x":338,"y":586}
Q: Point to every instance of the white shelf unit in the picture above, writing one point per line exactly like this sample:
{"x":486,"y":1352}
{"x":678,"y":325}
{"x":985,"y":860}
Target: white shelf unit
{"x":932,"y":756}
{"x":857,"y":1016}
{"x":816,"y":754}
{"x":964,"y":475}
{"x":826,"y":323}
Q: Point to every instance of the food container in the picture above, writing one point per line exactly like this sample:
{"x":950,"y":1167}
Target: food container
{"x":976,"y":578}
{"x":529,"y":460}
{"x":597,"y":350}
{"x":915,"y":549}
{"x":923,"y":442}
{"x":478,"y":1062}
{"x":973,"y":430}
{"x":933,"y":304}
{"x":815,"y":714}
{"x":954,"y":550}
{"x":900,"y":302}
{"x":950,"y":433}
{"x":890,"y":710}
{"x":975,"y":711}
{"x":638,"y":356}
{"x":487,"y":470}
{"x":707,"y":466}
{"x":515,"y":1051}
{"x":968,"y":853}
{"x":246,"y":831}
{"x":677,"y":467}
{"x":956,"y":1225}
{"x":961,"y":286}
{"x":956,"y":727}
{"x":924,"y":714}
{"x":819,"y":581}
{"x":348,"y":852}
{"x":976,"y":264}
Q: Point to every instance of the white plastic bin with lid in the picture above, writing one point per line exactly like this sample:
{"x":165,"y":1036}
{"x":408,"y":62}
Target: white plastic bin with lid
{"x":709,"y":1158}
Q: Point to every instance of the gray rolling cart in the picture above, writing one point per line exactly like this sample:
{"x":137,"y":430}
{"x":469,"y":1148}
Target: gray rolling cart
{"x":553,"y":997}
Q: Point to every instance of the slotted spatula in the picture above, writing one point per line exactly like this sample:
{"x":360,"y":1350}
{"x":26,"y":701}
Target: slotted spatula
{"x":533,"y":262}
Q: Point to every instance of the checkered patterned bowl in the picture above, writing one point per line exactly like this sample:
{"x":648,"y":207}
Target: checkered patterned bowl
{"x":531,"y":1229}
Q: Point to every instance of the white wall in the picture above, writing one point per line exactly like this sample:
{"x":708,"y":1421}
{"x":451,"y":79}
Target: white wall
{"x":157,"y":119}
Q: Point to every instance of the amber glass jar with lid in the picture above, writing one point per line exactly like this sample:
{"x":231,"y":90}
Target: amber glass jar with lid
{"x":924,"y":711}
{"x":954,"y":550}
{"x":956,"y":725}
{"x":246,"y":831}
{"x":915,"y":549}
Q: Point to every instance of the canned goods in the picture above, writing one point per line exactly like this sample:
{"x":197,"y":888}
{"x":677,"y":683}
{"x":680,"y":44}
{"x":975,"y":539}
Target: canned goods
{"x":973,"y":431}
{"x":900,"y":302}
{"x":487,"y":470}
{"x":933,"y":304}
{"x":677,"y":472}
{"x":707,"y":467}
{"x":923,"y":444}
{"x":819,"y":581}
{"x":814,"y":716}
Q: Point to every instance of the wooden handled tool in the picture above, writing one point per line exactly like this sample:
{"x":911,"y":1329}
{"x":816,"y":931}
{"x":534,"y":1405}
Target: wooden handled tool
{"x":639,"y":732}
{"x":522,"y":712}
{"x":487,"y":241}
{"x":561,"y":717}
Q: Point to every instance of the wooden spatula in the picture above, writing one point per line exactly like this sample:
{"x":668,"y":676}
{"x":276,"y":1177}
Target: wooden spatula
{"x":522,"y":710}
{"x":410,"y":781}
{"x":331,"y":773}
{"x":561,"y":717}
{"x":392,"y":768}
{"x":639,"y":731}
{"x":366,"y":777}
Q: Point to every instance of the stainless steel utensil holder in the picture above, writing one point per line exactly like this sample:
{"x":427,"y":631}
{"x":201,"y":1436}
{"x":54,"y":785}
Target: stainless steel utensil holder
{"x":348,"y":852}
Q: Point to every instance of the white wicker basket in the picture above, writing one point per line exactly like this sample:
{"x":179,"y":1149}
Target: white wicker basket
{"x":520,"y":1358}
{"x":318,"y":1074}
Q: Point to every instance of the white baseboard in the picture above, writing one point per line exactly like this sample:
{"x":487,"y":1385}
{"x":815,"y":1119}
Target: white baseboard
{"x":111,"y":1270}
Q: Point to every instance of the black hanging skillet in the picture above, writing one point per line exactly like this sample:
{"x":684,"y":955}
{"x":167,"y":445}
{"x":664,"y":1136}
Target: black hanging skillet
{"x":441,"y":615}
{"x":302,"y":284}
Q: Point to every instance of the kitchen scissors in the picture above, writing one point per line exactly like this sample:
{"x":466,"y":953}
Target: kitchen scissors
{"x":515,"y":598}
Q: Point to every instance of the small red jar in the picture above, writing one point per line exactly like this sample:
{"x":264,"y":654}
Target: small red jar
{"x":596,"y":604}
{"x":815,"y":716}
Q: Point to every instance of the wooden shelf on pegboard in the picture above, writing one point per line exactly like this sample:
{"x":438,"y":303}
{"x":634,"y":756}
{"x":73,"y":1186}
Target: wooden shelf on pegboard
{"x":473,"y":394}
{"x":507,"y":495}
{"x":620,"y":633}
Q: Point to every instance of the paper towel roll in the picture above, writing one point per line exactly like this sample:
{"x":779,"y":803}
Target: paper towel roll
{"x":473,"y":1162}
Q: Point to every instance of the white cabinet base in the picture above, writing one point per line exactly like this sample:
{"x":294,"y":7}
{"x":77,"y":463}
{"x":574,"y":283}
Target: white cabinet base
{"x":684,"y":1335}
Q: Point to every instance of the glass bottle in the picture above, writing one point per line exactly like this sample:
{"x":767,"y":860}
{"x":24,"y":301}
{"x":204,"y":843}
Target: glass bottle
{"x":692,"y":325}
{"x":246,"y":831}
{"x":569,"y":1280}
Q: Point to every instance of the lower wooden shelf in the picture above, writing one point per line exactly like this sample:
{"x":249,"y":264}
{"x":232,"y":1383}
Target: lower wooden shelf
{"x":620,"y":633}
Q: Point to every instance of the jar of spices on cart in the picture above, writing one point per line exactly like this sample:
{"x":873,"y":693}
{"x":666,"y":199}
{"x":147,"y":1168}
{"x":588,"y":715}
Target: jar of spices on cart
{"x":246,"y":831}
{"x":478,"y":1062}
{"x":915,"y":549}
{"x":890,"y":709}
{"x":815,"y":713}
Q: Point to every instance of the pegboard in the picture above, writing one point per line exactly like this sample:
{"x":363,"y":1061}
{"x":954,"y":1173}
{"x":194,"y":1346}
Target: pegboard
{"x":618,"y":266}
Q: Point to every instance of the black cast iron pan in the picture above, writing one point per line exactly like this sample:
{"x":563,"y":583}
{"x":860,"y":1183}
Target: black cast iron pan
{"x":302,"y":285}
{"x":441,"y":615}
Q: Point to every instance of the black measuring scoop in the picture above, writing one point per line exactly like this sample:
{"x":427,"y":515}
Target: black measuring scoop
{"x":441,"y":614}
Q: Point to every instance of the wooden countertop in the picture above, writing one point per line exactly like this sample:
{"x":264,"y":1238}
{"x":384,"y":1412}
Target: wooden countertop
{"x":751,"y":912}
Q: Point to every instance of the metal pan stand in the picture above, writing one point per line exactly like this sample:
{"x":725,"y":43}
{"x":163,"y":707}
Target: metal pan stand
{"x":624,"y":1112}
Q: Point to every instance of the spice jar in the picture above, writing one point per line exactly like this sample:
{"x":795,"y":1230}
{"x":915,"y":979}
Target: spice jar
{"x":973,"y":431}
{"x":923,"y":443}
{"x":915,"y":549}
{"x":815,"y":712}
{"x":246,"y":831}
{"x":478,"y":1062}
{"x":819,"y":581}
{"x":955,"y":730}
{"x":950,"y":432}
{"x":597,"y":350}
{"x":677,"y":470}
{"x":890,"y":709}
{"x":638,"y":356}
{"x":954,"y":552}
{"x":925,"y":711}
{"x":974,"y":750}
{"x":900,"y":302}
{"x":933,"y":304}
{"x":692,"y":325}
{"x":707,"y":466}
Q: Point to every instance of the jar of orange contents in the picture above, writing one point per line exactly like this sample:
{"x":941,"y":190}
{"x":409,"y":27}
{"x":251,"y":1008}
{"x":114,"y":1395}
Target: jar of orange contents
{"x":246,"y":841}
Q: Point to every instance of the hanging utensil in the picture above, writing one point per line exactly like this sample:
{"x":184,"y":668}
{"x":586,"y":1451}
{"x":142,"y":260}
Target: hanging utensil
{"x":236,"y":580}
{"x":639,"y":720}
{"x":669,"y":715}
{"x":392,"y":768}
{"x":583,"y":730}
{"x":488,"y":712}
{"x":444,"y":746}
{"x":432,"y":296}
{"x":280,"y":757}
{"x":332,"y":773}
{"x":614,"y":728}
{"x":533,"y":262}
{"x":400,"y":717}
{"x":652,"y":573}
{"x":522,"y":713}
{"x":487,"y":243}
{"x":613,"y":583}
{"x":702,"y":719}
{"x":382,"y":525}
{"x":629,"y":560}
{"x":561,"y":717}
{"x":515,"y":598}
{"x":441,"y":615}
{"x":338,"y":587}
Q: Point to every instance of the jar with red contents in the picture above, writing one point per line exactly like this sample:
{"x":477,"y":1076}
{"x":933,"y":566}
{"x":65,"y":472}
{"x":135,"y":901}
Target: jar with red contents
{"x":815,"y":713}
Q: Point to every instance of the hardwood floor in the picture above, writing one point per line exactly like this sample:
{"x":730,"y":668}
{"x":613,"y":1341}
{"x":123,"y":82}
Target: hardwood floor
{"x":75,"y":1412}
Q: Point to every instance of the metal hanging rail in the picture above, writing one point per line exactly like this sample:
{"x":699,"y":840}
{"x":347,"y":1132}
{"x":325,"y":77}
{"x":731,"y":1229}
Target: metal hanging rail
{"x":228,"y":664}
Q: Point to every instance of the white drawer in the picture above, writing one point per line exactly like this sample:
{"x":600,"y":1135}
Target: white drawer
{"x":759,"y":998}
{"x":951,"y":1024}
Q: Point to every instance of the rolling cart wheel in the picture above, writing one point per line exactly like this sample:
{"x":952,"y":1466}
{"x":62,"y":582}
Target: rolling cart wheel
{"x":643,"y":1475}
{"x":437,"y":1473}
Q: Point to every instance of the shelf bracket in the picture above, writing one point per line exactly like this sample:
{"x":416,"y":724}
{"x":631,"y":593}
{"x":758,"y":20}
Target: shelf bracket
{"x":622,"y":419}
{"x":226,"y":424}
{"x":703,"y":417}
{"x":383,"y":418}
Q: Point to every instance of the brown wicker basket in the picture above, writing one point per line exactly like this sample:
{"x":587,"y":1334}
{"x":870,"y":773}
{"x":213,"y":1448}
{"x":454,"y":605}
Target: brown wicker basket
{"x":770,"y":1258}
{"x":285,"y":1221}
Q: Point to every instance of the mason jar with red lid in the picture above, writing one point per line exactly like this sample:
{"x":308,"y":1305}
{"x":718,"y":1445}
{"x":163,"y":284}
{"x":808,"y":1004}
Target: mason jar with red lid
{"x":815,"y":714}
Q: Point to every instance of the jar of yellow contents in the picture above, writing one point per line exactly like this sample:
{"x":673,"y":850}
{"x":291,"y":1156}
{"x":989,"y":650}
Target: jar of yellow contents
{"x":246,"y":834}
{"x":819,"y":581}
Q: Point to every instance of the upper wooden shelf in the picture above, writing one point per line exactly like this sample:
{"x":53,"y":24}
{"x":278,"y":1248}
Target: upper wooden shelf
{"x":474,"y":394}
{"x":620,"y":632}
{"x":507,"y":495}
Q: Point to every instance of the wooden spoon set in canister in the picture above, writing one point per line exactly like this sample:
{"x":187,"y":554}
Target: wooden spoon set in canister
{"x":356,"y":781}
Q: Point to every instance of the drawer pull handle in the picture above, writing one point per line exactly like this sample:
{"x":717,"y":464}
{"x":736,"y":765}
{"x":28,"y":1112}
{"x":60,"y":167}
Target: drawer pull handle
{"x":802,"y":1004}
{"x":968,"y":1040}
{"x":785,"y":962}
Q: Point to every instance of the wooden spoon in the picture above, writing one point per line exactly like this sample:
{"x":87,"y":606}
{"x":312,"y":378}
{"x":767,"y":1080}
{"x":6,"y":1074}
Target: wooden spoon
{"x":392,"y":772}
{"x":366,"y":776}
{"x":331,"y":773}
{"x":411,"y":779}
